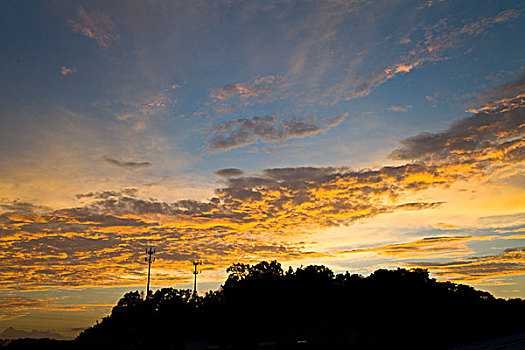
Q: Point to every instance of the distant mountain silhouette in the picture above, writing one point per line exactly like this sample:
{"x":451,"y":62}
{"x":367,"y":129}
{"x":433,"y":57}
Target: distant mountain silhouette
{"x":12,"y":333}
{"x":261,"y":306}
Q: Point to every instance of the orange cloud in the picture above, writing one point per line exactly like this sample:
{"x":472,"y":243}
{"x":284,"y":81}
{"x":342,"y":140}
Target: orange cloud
{"x":426,"y":248}
{"x":479,"y":270}
{"x":254,"y":217}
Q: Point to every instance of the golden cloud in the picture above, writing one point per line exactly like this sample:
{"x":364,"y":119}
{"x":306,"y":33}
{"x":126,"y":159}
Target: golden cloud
{"x":251,"y":217}
{"x":479,"y":270}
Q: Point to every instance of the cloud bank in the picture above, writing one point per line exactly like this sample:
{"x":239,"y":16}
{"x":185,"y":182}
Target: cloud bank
{"x":260,"y":216}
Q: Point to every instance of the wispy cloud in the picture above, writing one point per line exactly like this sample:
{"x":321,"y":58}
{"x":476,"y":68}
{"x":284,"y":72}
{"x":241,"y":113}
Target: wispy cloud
{"x":259,"y":89}
{"x":400,"y":108}
{"x":130,"y":165}
{"x":231,"y":96}
{"x":438,"y":39}
{"x":18,"y":303}
{"x":268,"y":129}
{"x":488,"y":269}
{"x":138,"y":113}
{"x":485,"y":270}
{"x":17,"y":306}
{"x":95,"y":25}
{"x":426,"y":248}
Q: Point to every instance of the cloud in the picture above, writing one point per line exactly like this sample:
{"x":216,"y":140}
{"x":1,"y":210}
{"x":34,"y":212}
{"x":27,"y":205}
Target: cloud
{"x":130,"y":192}
{"x":259,"y":89}
{"x":231,"y":96}
{"x":229,"y":172}
{"x":488,"y":269}
{"x":18,"y":303}
{"x":129,"y":165}
{"x":16,"y":306}
{"x":502,"y":98}
{"x":95,"y":25}
{"x":438,"y":39}
{"x":269,"y":129}
{"x":101,"y":244}
{"x":257,"y":216}
{"x":253,"y":216}
{"x":400,"y":108}
{"x":493,"y":137}
{"x":480,"y":270}
{"x":486,"y":138}
{"x":65,"y":70}
{"x":517,"y":219}
{"x":426,"y":248}
{"x":138,"y":113}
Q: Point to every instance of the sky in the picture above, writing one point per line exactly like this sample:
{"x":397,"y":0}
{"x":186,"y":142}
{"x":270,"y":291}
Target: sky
{"x":357,"y":134}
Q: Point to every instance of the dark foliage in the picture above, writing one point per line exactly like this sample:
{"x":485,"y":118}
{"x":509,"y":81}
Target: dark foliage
{"x":262,"y":306}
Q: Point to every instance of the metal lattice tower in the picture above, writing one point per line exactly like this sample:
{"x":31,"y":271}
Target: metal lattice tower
{"x":149,"y":259}
{"x":196,"y":263}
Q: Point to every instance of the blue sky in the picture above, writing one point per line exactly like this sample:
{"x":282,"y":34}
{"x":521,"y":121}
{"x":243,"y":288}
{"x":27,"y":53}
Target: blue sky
{"x":357,"y":134}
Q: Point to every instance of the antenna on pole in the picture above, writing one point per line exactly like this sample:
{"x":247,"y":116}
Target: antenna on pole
{"x":196,"y":263}
{"x":149,"y":259}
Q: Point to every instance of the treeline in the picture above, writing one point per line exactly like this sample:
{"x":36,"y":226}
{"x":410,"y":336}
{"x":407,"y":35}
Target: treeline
{"x":262,"y":306}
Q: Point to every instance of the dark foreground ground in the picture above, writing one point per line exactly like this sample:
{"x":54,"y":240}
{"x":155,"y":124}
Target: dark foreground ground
{"x":513,"y":342}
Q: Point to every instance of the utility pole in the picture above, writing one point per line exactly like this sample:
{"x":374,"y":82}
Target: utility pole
{"x":150,"y":251}
{"x":196,"y":263}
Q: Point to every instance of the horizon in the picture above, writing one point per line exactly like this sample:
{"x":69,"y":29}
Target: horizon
{"x":353,"y":134}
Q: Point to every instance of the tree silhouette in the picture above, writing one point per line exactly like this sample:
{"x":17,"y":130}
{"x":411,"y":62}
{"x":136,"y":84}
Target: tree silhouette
{"x":308,"y":307}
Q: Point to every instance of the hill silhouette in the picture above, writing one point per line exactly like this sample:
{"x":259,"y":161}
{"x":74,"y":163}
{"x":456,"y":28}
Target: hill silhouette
{"x":262,"y":306}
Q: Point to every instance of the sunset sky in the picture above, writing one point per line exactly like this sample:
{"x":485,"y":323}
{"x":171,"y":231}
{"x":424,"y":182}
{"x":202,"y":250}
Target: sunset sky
{"x":357,"y":134}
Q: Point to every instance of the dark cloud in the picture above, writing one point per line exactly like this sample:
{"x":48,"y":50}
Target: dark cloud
{"x":470,"y":139}
{"x":509,"y":89}
{"x":17,"y":206}
{"x":229,"y":172}
{"x":269,"y":129}
{"x":130,"y":165}
{"x":419,"y":205}
{"x":130,"y":192}
{"x":501,"y":98}
{"x":301,"y":173}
